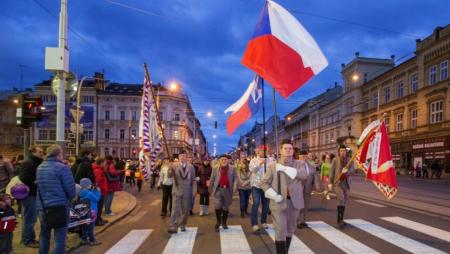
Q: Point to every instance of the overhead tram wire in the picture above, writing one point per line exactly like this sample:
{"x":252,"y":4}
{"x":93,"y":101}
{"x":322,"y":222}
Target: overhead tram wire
{"x":348,"y":22}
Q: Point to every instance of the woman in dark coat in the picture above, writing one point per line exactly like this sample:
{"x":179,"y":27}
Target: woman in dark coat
{"x":204,"y":173}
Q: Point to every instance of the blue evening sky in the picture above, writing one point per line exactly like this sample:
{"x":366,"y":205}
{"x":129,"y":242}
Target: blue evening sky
{"x":200,"y":43}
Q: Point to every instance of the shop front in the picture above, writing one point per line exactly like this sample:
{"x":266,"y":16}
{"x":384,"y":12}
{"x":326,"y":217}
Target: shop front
{"x":427,"y":151}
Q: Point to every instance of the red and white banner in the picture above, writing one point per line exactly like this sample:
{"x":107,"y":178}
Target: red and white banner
{"x":375,"y":158}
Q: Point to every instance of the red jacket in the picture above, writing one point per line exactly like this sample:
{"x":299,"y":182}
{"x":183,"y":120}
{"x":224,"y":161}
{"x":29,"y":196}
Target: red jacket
{"x":100,"y":178}
{"x":113,"y":186}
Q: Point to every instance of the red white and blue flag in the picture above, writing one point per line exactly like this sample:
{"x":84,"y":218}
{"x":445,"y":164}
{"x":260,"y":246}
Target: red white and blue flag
{"x":247,"y":106}
{"x":282,"y":51}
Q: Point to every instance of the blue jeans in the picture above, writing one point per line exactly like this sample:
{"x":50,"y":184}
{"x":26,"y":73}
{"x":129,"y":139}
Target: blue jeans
{"x":258,"y":197}
{"x":108,"y":202}
{"x":244,"y":195}
{"x":59,"y":235}
{"x":88,"y":232}
{"x":29,"y":219}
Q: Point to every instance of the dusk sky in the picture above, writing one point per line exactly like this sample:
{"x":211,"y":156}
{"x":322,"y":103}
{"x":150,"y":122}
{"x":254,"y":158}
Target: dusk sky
{"x":200,"y":43}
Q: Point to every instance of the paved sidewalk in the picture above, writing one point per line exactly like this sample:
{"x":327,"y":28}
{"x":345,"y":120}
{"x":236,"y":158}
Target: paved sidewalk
{"x":122,"y":205}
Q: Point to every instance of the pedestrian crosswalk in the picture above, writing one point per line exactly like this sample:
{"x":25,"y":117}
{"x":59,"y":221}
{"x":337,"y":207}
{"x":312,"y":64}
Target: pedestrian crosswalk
{"x":234,"y":240}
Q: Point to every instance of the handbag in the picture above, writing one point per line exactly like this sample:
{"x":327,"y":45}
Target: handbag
{"x":54,"y":216}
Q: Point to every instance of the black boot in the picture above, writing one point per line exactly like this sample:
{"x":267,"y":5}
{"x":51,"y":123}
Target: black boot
{"x":340,"y":216}
{"x":219,"y":219}
{"x":281,"y":247}
{"x":224,"y":219}
{"x":288,"y":243}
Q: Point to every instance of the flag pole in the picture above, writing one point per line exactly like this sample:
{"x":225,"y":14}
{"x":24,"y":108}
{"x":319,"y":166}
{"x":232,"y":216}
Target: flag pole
{"x":275,"y":122}
{"x":147,"y":75}
{"x":264,"y":124}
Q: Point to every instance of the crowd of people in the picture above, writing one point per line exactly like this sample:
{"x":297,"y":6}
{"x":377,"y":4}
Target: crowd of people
{"x":281,"y":187}
{"x":49,"y":188}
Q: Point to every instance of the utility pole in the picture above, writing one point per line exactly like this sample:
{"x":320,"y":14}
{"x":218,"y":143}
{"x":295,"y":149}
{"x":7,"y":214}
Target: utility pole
{"x":61,"y":99}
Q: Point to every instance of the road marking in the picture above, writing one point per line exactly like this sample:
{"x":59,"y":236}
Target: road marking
{"x":401,"y":241}
{"x":131,"y":242}
{"x":369,"y":203}
{"x":182,"y":242}
{"x":138,"y":216}
{"x":339,"y":239}
{"x":422,"y":228}
{"x":156,"y":202}
{"x":297,"y":246}
{"x":233,"y":240}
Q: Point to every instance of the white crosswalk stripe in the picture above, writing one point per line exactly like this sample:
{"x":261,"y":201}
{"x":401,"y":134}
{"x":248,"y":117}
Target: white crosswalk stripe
{"x":339,"y":239}
{"x":392,"y":237}
{"x":233,"y":240}
{"x":131,"y":242}
{"x":425,"y":229}
{"x":297,"y":246}
{"x":182,"y":242}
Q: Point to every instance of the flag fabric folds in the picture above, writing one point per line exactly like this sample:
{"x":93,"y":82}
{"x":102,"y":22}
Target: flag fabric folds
{"x":149,"y":136}
{"x":282,"y":51}
{"x":375,"y":158}
{"x":247,"y":106}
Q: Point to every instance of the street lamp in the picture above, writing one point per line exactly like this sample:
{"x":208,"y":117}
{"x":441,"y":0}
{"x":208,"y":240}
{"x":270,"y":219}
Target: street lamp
{"x":209,"y":114}
{"x":173,"y":86}
{"x":77,"y":116}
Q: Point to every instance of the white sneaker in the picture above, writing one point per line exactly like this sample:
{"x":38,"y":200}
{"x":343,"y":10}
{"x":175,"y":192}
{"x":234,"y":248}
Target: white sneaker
{"x":265,"y":226}
{"x":255,"y":228}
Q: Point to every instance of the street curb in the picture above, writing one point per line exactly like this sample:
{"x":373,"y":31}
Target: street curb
{"x":109,"y":224}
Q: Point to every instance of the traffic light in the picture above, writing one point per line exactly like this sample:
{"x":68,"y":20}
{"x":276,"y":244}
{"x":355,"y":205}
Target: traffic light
{"x":29,"y":110}
{"x":215,"y":124}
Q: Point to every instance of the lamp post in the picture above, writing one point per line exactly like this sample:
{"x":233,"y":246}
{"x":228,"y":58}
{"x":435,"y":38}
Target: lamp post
{"x":77,"y":117}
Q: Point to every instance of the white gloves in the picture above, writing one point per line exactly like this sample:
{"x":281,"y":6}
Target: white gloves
{"x":291,"y":172}
{"x":330,"y":187}
{"x":197,"y":179}
{"x":271,"y":194}
{"x":344,"y":170}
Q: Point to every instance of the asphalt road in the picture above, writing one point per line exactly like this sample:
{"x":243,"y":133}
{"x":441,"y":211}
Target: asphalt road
{"x":376,"y":225}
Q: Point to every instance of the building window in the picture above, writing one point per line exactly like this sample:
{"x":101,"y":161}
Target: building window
{"x":400,"y":90}
{"x":161,"y":116}
{"x":444,"y":70}
{"x":122,"y":134}
{"x":413,"y":114}
{"x":176,"y":117}
{"x":176,"y":135}
{"x":43,"y":134}
{"x":387,"y":94}
{"x":122,"y":115}
{"x":386,"y":122}
{"x":88,"y":99}
{"x":106,"y":133}
{"x":436,"y":111}
{"x":399,"y":126}
{"x":375,"y":100}
{"x":89,"y":135}
{"x":432,"y":75}
{"x":134,"y":116}
{"x":414,"y":83}
{"x":106,"y":151}
{"x":52,"y":134}
{"x":107,"y":115}
{"x":365,"y":104}
{"x":133,"y":133}
{"x":122,"y":153}
{"x":52,"y":98}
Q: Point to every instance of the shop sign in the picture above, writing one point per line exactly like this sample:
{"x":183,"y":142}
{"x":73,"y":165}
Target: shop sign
{"x":428,"y":145}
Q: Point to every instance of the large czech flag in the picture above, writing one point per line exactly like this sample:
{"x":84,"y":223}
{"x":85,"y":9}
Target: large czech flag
{"x":246,"y":106}
{"x":282,"y":51}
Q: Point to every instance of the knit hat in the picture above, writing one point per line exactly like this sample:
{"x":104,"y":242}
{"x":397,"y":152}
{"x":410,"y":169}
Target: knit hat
{"x":85,"y":182}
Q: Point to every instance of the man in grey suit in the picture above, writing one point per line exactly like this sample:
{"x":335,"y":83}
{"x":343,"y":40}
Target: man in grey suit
{"x":307,"y":188}
{"x":222,"y":178}
{"x":184,"y":179}
{"x":340,"y":179}
{"x":283,"y":184}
